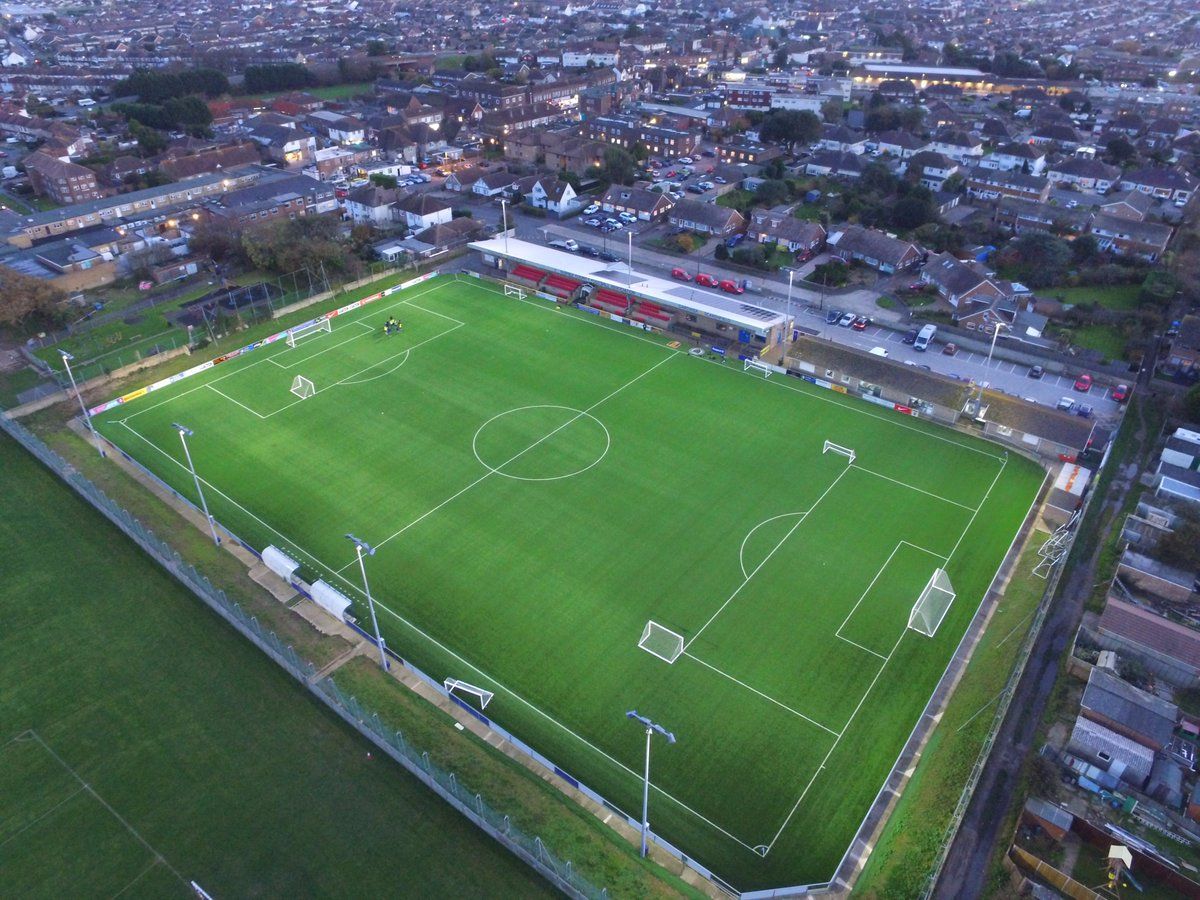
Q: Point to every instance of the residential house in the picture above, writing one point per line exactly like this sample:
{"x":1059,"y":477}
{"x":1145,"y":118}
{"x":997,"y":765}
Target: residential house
{"x":419,"y":211}
{"x":1185,"y":346}
{"x":1129,"y":237}
{"x":288,"y":197}
{"x":781,"y":228}
{"x":853,"y":243}
{"x":447,"y":235}
{"x":1160,"y":182}
{"x":1057,"y":133}
{"x":63,"y":182}
{"x":371,"y":205}
{"x":1021,"y":215}
{"x":648,"y":206}
{"x":463,"y":180}
{"x":991,"y":184}
{"x":960,"y":146}
{"x":553,"y":194}
{"x":706,"y":218}
{"x":896,"y":143}
{"x":1168,"y":649}
{"x":1178,"y":472}
{"x":1128,"y":205}
{"x":1093,"y":175}
{"x":959,"y":282}
{"x":1128,"y":760}
{"x":835,"y":164}
{"x":839,"y":138}
{"x":1130,"y":712}
{"x":493,"y":184}
{"x":338,"y":128}
{"x":758,"y":154}
{"x":932,"y":169}
{"x":288,"y":146}
{"x":1014,"y":157}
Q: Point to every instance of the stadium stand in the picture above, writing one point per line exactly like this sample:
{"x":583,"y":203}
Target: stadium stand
{"x":610,"y":301}
{"x":527,"y":275}
{"x":651,"y":313}
{"x":560,"y":285}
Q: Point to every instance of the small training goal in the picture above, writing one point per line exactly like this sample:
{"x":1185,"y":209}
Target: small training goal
{"x":455,"y":684}
{"x":831,"y":447}
{"x":302,"y":387}
{"x":933,"y":604}
{"x":300,"y":332}
{"x":753,"y":365}
{"x":511,"y":290}
{"x":662,"y":642}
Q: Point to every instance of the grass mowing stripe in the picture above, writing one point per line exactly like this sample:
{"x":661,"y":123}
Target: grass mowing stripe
{"x":539,"y":589}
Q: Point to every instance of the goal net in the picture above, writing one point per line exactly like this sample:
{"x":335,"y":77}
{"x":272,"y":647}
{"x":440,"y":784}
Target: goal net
{"x":753,"y":365}
{"x":300,"y":332}
{"x":661,"y":642}
{"x":302,"y":387}
{"x":933,"y":604}
{"x":831,"y":447}
{"x":455,"y":684}
{"x":511,"y":290}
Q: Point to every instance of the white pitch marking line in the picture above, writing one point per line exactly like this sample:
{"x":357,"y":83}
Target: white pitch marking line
{"x":750,"y":533}
{"x":860,"y":646}
{"x":237,"y":402}
{"x":912,"y":487}
{"x":766,"y":559}
{"x":794,"y":712}
{"x":518,"y":455}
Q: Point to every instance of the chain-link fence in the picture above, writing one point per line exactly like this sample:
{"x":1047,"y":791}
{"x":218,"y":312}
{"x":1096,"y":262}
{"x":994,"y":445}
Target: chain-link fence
{"x":445,"y":783}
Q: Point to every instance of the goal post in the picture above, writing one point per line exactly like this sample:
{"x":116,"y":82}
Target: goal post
{"x":831,"y":447}
{"x":302,"y":387}
{"x":308,"y":328}
{"x":456,"y":684}
{"x":753,"y":365}
{"x":512,"y":290}
{"x":660,"y":641}
{"x":933,"y":604}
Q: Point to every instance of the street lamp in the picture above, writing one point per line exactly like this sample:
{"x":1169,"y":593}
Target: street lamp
{"x":991,"y":350}
{"x":184,"y":434}
{"x":359,"y":546}
{"x":651,"y":728}
{"x":87,"y":418}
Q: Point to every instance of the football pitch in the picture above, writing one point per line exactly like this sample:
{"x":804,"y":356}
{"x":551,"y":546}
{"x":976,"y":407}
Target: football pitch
{"x":541,"y":484}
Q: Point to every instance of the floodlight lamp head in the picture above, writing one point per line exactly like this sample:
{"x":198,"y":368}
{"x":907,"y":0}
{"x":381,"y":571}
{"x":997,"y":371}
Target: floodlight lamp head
{"x":362,"y":545}
{"x":67,"y":356}
{"x":182,"y":429}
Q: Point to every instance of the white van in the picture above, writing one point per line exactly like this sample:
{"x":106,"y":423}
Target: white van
{"x":879,"y":351}
{"x":924,"y":337}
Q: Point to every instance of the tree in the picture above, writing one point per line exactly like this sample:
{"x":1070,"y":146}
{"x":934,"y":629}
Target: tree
{"x":27,"y":301}
{"x":1084,"y":249}
{"x":772,"y":192}
{"x":217,"y":242}
{"x":832,"y":112}
{"x":790,"y":127}
{"x":1119,"y":151}
{"x":1191,"y":404}
{"x":277,"y":77}
{"x":619,"y":166}
{"x":781,"y":58}
{"x":913,"y":211}
{"x":1038,"y":257}
{"x":376,"y":48}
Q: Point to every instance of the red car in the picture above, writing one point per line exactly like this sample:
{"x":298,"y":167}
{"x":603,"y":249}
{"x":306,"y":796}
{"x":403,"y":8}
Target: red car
{"x":681,"y":275}
{"x":1083,"y":383}
{"x":861,"y":323}
{"x":706,"y":280}
{"x":730,"y":286}
{"x":1121,"y":393}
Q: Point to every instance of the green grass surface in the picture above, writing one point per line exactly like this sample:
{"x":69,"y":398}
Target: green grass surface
{"x":1121,"y":297}
{"x":541,"y":484}
{"x":1107,"y":339}
{"x":202,"y":759}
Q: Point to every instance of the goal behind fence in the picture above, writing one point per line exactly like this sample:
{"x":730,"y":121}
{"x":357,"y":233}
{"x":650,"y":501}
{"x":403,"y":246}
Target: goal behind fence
{"x":933,"y":604}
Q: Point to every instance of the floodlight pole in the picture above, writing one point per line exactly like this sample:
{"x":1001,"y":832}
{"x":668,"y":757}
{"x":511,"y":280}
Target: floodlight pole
{"x":504,"y":219}
{"x":184,"y":434}
{"x":359,"y":546}
{"x":991,"y":350}
{"x":630,"y":236}
{"x":87,"y":417}
{"x":788,"y":323}
{"x":651,"y":728}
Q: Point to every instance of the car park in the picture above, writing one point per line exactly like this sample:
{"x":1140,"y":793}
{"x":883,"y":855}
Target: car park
{"x":831,"y":317}
{"x":846,"y":320}
{"x":706,"y":280}
{"x":1036,"y":371}
{"x":1083,"y":383}
{"x":1120,"y":393}
{"x":680,"y":274}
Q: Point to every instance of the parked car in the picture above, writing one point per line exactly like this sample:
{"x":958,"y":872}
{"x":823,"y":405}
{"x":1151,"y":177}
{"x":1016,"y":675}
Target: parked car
{"x":610,"y":227}
{"x":831,"y":317}
{"x":719,"y":179}
{"x":734,"y":239}
{"x":628,"y":218}
{"x":680,"y":274}
{"x":730,"y":286}
{"x":591,"y":209}
{"x":1120,"y":393}
{"x":592,"y":222}
{"x":1083,"y":410}
{"x":910,"y":336}
{"x":917,"y":286}
{"x":608,"y":257}
{"x":706,"y":280}
{"x":1036,"y":371}
{"x":846,"y":320}
{"x":950,"y":349}
{"x":696,"y":188}
{"x":686,"y":160}
{"x":589,"y":250}
{"x":709,"y":153}
{"x":1066,"y":404}
{"x":1083,"y":383}
{"x":861,"y":323}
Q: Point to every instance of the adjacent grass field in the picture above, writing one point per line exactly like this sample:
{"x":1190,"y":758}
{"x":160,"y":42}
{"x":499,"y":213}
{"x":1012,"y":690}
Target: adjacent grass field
{"x":541,"y":484}
{"x":143,"y":743}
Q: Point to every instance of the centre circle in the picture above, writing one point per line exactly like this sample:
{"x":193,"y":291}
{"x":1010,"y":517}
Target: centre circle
{"x":541,"y":443}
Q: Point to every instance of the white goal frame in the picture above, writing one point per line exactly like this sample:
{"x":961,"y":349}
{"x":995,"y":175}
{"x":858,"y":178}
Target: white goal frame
{"x":753,"y":365}
{"x":308,"y":328}
{"x":303,"y":387}
{"x":931,"y":607}
{"x":456,"y":684}
{"x":831,"y":447}
{"x":512,"y":290}
{"x":660,"y":641}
